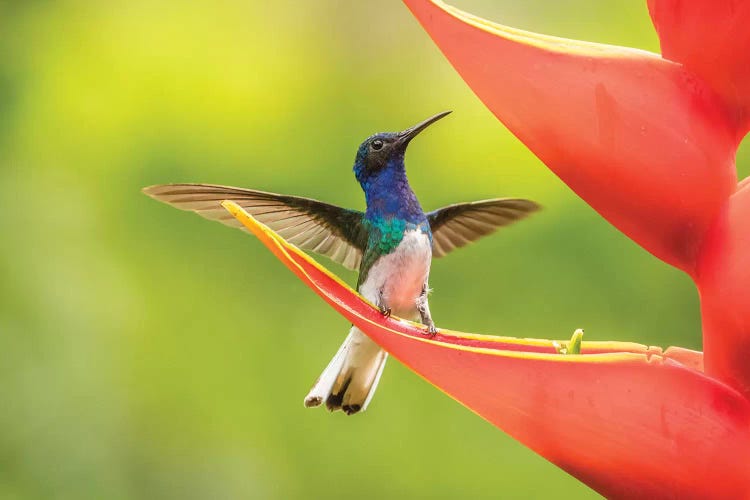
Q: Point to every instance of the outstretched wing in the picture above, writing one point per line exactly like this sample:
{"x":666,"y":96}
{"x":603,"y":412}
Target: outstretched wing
{"x":456,"y":225}
{"x":312,"y":225}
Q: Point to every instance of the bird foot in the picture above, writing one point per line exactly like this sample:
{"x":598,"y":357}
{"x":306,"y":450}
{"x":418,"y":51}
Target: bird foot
{"x":385,"y":311}
{"x":431,"y":330}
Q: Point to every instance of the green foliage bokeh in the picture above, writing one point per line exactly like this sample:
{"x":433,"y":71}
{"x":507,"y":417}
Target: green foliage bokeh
{"x":147,"y":353}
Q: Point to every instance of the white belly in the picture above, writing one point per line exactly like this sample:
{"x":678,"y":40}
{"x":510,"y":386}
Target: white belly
{"x":400,"y":275}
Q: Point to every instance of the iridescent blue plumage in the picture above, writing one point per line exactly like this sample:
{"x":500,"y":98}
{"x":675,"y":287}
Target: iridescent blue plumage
{"x":392,"y":206}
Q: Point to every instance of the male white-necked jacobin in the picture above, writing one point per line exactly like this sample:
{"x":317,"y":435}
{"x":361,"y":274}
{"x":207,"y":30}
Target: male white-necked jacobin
{"x":392,"y":243}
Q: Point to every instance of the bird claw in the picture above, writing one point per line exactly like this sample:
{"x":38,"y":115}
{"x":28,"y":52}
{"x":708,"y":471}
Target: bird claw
{"x":431,"y":330}
{"x":385,"y":311}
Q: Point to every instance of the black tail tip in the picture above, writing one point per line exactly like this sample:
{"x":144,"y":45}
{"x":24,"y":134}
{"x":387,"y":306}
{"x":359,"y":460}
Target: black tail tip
{"x":333,"y":402}
{"x":313,"y":401}
{"x":351,"y":409}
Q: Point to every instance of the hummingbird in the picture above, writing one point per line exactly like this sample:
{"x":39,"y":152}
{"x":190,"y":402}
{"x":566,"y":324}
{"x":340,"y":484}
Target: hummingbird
{"x":391,"y":243}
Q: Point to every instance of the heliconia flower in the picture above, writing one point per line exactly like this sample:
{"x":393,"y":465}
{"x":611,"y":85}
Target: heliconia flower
{"x":648,"y":140}
{"x":624,"y":418}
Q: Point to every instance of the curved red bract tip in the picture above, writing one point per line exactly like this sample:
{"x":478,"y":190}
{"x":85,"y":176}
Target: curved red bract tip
{"x":631,"y":423}
{"x":645,"y":142}
{"x":712,"y":39}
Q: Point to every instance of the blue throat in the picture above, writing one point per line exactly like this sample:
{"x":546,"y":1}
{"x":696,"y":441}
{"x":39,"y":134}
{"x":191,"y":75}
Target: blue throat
{"x":392,"y":209}
{"x":389,"y":196}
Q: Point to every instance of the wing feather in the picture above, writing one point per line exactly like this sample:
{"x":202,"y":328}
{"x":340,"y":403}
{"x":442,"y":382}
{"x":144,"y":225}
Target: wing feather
{"x":312,"y":225}
{"x":456,"y":225}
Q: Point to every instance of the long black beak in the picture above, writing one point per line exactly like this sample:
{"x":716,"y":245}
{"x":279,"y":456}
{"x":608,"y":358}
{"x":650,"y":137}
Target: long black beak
{"x":411,"y":132}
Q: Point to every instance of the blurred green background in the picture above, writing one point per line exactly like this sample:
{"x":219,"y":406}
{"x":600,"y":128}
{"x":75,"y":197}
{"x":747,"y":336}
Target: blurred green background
{"x":147,"y":353}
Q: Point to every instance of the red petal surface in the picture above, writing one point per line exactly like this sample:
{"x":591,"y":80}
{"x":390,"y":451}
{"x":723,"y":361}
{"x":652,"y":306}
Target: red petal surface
{"x":628,"y":423}
{"x":724,"y":283}
{"x":712,"y":38}
{"x":643,"y":140}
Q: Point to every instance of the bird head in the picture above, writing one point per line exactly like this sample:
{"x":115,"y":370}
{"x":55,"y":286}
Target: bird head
{"x":385,"y":151}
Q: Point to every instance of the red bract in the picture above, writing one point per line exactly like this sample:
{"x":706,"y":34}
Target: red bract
{"x":647,"y":141}
{"x":712,"y":40}
{"x":644,"y":141}
{"x":624,"y":418}
{"x":724,"y":283}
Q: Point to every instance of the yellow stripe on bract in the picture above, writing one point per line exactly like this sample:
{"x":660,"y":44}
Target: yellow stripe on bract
{"x":546,"y":42}
{"x":604,"y":345}
{"x":258,"y":229}
{"x":263,"y":232}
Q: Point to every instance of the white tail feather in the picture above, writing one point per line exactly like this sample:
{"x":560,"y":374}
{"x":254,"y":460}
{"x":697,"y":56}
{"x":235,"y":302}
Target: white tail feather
{"x":350,"y":379}
{"x":376,"y":381}
{"x":322,"y":387}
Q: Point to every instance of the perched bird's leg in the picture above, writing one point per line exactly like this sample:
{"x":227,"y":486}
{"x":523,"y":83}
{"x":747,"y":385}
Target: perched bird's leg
{"x":424,"y":311}
{"x":384,"y":310}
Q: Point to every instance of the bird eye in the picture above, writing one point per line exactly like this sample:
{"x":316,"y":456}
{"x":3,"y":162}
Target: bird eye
{"x":377,"y":145}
